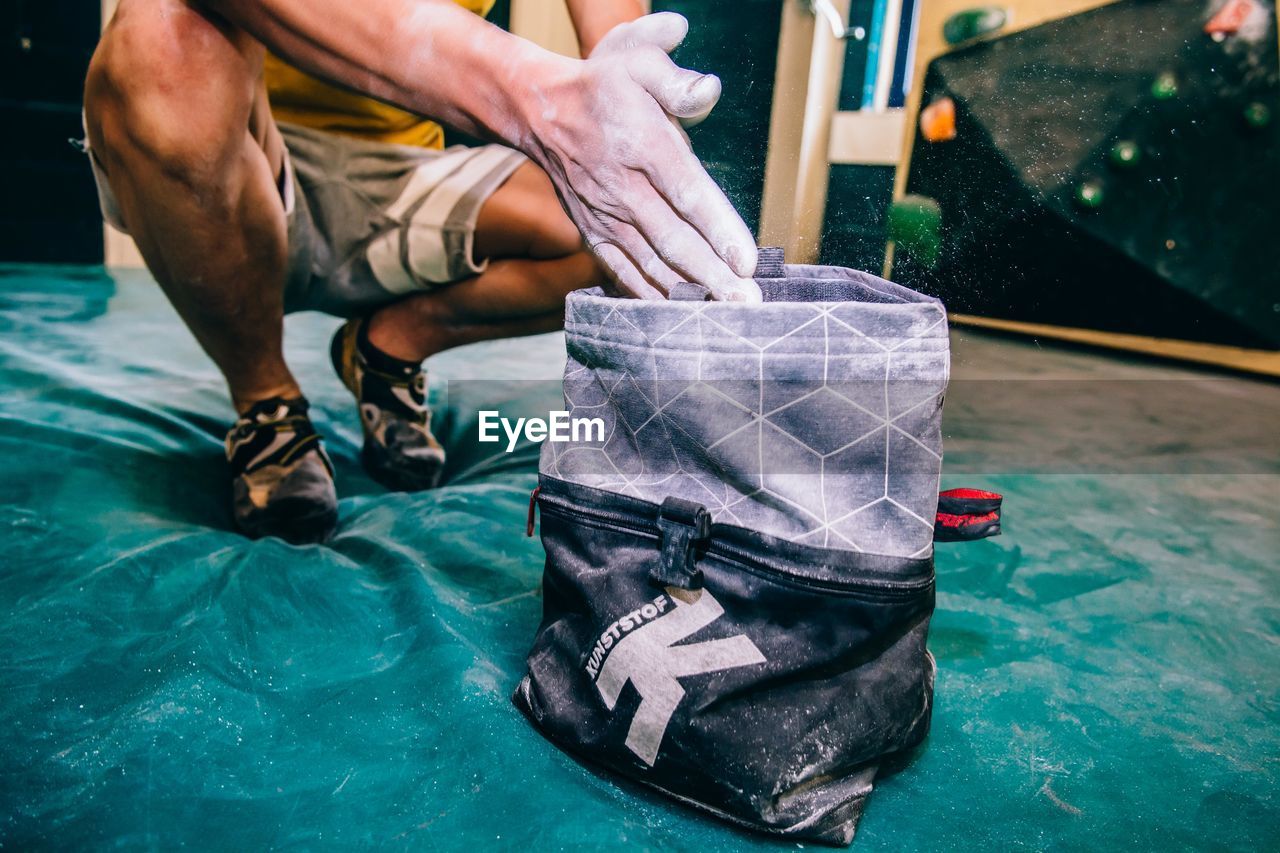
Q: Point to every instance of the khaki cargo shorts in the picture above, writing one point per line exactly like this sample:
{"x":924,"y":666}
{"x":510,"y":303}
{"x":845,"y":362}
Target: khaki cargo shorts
{"x":371,"y":222}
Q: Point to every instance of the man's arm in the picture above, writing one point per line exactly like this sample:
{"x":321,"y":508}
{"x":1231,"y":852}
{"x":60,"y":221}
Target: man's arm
{"x":431,"y":57}
{"x":593,"y":18}
{"x":598,"y":127}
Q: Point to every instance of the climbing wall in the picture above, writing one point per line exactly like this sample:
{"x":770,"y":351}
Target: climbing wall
{"x":1114,"y":170}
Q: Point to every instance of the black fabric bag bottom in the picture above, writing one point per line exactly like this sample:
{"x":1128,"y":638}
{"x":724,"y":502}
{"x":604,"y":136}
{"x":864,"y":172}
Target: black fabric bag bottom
{"x":752,"y":677}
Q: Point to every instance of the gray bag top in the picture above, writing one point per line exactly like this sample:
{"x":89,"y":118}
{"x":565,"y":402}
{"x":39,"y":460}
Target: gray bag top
{"x":813,"y":416}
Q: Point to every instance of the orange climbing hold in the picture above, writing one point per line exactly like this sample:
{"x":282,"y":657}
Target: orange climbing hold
{"x":1230,"y":17}
{"x":938,"y":121}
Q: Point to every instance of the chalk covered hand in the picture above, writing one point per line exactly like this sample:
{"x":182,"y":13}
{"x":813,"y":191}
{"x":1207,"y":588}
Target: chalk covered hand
{"x":601,"y":128}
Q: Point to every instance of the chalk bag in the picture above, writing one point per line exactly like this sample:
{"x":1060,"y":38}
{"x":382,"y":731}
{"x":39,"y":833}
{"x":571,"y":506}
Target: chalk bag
{"x":739,"y":537}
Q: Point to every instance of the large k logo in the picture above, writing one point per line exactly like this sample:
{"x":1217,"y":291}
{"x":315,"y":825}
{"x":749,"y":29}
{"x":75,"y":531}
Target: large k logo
{"x":647,"y":658}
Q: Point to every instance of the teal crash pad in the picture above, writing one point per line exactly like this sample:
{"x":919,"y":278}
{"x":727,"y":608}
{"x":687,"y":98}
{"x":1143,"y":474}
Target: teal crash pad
{"x":1108,"y":670}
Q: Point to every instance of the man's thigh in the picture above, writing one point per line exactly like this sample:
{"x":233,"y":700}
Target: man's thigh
{"x":524,"y":219}
{"x":380,"y":222}
{"x":152,"y":58}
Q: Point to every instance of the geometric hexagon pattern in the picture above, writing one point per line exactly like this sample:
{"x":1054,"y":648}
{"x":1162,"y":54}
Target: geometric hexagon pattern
{"x":814,"y":416}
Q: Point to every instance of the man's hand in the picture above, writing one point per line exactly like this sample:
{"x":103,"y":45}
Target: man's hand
{"x":599,"y":127}
{"x":627,"y":176}
{"x":664,"y":31}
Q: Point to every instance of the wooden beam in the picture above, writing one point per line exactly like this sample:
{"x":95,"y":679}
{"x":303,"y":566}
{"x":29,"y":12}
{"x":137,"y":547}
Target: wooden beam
{"x":826,"y":70}
{"x":866,"y":138}
{"x":786,"y":124}
{"x":1264,"y":362}
{"x":545,"y":23}
{"x":118,"y":248}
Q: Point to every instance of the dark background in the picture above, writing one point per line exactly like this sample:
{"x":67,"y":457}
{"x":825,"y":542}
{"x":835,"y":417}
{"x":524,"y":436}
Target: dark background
{"x":49,"y":210}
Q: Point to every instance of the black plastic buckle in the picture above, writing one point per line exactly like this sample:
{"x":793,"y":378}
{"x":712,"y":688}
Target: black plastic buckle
{"x":684,"y":525}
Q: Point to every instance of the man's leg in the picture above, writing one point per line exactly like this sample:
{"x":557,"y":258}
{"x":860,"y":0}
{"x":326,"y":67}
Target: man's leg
{"x":177,"y":114}
{"x":536,"y":260}
{"x":177,"y":117}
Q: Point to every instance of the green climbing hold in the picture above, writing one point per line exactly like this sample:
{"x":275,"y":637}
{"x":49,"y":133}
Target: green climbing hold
{"x":1125,"y":153}
{"x":915,"y":227}
{"x":1089,"y":194}
{"x":1257,"y":115}
{"x":1165,"y":86}
{"x":972,"y":23}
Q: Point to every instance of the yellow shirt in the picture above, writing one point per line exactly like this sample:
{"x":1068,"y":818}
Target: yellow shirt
{"x":298,"y":98}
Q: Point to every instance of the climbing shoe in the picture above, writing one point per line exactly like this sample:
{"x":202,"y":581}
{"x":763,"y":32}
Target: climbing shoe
{"x":399,"y":450}
{"x":282,"y":480}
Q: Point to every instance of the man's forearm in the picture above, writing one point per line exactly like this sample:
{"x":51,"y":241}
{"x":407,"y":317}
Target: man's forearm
{"x":601,"y":128}
{"x":593,"y":18}
{"x":431,"y":57}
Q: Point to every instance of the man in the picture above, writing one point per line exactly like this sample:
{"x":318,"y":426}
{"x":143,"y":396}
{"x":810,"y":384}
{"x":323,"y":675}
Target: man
{"x":241,"y":219}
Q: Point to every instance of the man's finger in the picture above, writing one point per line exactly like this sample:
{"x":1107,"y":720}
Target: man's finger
{"x":682,"y":93}
{"x":687,"y":252}
{"x":681,"y":179}
{"x":679,"y":125}
{"x":664,"y":30}
{"x":624,"y":272}
{"x":697,"y":118}
{"x":638,"y":249}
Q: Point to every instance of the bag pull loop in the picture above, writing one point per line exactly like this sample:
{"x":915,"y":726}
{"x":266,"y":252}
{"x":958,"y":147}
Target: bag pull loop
{"x":683,"y":525}
{"x":532,"y":518}
{"x":770,"y":263}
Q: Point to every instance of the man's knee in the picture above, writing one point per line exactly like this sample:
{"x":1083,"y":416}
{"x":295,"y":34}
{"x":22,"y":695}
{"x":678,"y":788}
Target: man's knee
{"x":524,"y":219}
{"x":558,"y":237}
{"x":169,"y":85}
{"x":553,"y":234}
